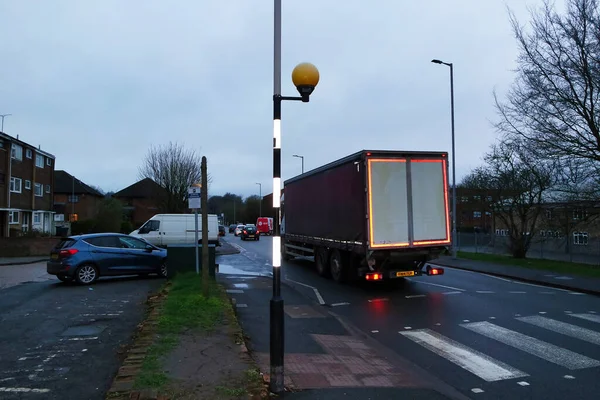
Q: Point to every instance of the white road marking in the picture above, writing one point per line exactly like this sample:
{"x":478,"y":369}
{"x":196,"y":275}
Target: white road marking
{"x":234,"y":291}
{"x":407,"y":328}
{"x":577,"y":293}
{"x":477,"y":390}
{"x":414,"y":296}
{"x":523,"y":383}
{"x":542,"y":312}
{"x":379,"y":299}
{"x":81,"y":338}
{"x":375,"y":331}
{"x":540,"y":286}
{"x":438,"y":285}
{"x":241,"y":305}
{"x":317,"y":293}
{"x":533,"y":346}
{"x":592,"y":312}
{"x":547,"y":292}
{"x":23,"y":390}
{"x":517,"y":292}
{"x":7,"y":379}
{"x":465,"y":320}
{"x":340,"y":304}
{"x":451,"y":293}
{"x":569,"y":377}
{"x":587,"y":317}
{"x":568,"y":312}
{"x":492,"y":317}
{"x":484,"y":366}
{"x":484,"y":291}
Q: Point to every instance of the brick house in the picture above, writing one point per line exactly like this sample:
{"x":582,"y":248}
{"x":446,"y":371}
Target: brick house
{"x":73,"y":196}
{"x":141,"y":201}
{"x":26,"y":184}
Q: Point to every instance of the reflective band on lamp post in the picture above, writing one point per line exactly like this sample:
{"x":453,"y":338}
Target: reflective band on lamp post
{"x":276,"y":251}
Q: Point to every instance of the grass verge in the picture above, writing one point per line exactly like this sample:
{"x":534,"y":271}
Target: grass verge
{"x":184,"y":308}
{"x":562,"y":267}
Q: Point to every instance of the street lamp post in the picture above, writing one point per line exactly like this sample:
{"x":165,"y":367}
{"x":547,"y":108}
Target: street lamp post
{"x":305,"y":77}
{"x":260,"y":197}
{"x":302,"y":158}
{"x":454,"y":236}
{"x":2,"y":126}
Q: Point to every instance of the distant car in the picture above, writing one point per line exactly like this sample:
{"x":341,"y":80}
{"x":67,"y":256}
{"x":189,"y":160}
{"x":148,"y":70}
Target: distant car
{"x":85,"y":258}
{"x":250,"y":232}
{"x":232,"y":228}
{"x":221,"y":230}
{"x":238,"y":230}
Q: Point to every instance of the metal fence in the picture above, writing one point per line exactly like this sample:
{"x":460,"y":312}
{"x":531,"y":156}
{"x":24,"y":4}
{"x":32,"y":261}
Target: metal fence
{"x":541,"y":247}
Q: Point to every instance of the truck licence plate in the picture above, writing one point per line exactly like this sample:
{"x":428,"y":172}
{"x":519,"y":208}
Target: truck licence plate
{"x":405,"y":273}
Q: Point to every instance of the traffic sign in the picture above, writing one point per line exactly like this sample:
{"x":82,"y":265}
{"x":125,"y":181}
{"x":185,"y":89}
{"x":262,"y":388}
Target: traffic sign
{"x":194,"y":197}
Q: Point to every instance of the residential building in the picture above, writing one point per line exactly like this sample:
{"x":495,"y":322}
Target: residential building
{"x":141,"y":201}
{"x":72,"y":196}
{"x":473,"y":209}
{"x":26,"y":184}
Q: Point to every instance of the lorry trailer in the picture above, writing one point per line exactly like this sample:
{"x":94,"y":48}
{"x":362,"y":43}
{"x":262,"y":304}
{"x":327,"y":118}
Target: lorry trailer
{"x":376,"y":215}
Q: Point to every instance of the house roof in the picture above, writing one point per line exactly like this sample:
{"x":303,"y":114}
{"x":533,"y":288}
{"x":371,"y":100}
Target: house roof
{"x":146,"y":188}
{"x":63,"y":183}
{"x":16,"y":140}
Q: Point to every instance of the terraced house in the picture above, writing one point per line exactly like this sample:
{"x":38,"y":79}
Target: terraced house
{"x":26,"y":185}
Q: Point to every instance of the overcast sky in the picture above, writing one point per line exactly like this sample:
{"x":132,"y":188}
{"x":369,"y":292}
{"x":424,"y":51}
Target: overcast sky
{"x":97,"y":82}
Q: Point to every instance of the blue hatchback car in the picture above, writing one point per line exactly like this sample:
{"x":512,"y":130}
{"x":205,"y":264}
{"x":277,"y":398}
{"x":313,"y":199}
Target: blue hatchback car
{"x":85,"y":258}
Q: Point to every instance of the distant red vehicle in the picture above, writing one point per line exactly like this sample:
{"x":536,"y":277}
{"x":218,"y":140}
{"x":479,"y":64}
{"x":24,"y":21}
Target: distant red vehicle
{"x":265,"y":225}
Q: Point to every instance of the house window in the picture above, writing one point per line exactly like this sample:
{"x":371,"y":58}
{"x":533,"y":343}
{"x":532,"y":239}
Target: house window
{"x":579,"y":214}
{"x":37,"y":218}
{"x":47,"y":188}
{"x":17,"y":152}
{"x":580,"y":238}
{"x":464,"y":199}
{"x":39,"y":161}
{"x":548,"y":214}
{"x":497,"y":232}
{"x":1,"y":144}
{"x":28,"y":185}
{"x":13,"y":217}
{"x":39,"y":190}
{"x":489,"y":199}
{"x":476,"y":214}
{"x":48,"y":161}
{"x":28,"y":153}
{"x":488,"y":213}
{"x":543,"y":233}
{"x":15,"y":185}
{"x":477,"y":198}
{"x":73,"y":199}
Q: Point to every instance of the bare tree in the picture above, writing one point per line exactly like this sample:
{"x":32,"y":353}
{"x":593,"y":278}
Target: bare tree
{"x":554,"y":103}
{"x":520,"y":183}
{"x":174,"y":168}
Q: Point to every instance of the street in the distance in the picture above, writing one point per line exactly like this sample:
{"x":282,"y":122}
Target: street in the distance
{"x":483,"y":335}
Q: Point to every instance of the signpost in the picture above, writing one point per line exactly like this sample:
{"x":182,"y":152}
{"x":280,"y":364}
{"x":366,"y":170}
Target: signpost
{"x":194,"y":203}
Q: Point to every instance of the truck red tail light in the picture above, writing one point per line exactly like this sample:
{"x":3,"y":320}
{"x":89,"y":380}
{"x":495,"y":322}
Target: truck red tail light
{"x":68,"y":252}
{"x":435,"y":270}
{"x":374,"y":277}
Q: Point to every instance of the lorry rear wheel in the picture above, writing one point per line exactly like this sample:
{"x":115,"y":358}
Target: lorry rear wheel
{"x":322,"y":261}
{"x":337,"y":267}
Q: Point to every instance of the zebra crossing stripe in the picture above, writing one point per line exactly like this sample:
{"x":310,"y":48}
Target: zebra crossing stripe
{"x":546,"y":351}
{"x":587,"y":317}
{"x":563,"y":328}
{"x":485,"y":367}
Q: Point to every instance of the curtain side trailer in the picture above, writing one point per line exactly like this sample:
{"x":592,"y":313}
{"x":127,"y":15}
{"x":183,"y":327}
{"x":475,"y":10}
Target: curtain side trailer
{"x":374,"y":215}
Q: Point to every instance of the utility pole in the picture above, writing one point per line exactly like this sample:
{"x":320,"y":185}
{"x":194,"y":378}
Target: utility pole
{"x":204,"y":207}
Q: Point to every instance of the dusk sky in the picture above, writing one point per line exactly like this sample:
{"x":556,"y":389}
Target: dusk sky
{"x":97,"y":82}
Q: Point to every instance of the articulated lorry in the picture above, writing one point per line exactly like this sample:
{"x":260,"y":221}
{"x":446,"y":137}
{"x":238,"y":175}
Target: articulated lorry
{"x":374,"y":215}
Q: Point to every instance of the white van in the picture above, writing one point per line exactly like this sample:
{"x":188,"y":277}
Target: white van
{"x":166,"y":229}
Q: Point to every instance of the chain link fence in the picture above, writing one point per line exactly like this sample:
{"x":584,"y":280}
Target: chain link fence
{"x":551,"y":248}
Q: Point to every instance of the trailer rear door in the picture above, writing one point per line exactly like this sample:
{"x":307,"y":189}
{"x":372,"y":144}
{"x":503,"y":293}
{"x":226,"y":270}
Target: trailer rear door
{"x":408,"y":203}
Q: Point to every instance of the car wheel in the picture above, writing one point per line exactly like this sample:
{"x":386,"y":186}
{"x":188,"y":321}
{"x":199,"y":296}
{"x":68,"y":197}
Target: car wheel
{"x":86,"y":274}
{"x":164,"y":271}
{"x":64,"y":278}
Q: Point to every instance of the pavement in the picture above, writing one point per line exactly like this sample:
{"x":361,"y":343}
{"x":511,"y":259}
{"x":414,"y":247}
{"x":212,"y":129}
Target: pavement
{"x":62,"y":341}
{"x":474,"y":334}
{"x":22,"y":260}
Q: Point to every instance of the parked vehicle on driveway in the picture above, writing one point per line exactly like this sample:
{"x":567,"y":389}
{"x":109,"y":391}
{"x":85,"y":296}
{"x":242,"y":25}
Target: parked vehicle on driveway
{"x":250,"y":232}
{"x":168,"y":229}
{"x":265,"y":225}
{"x":85,"y":258}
